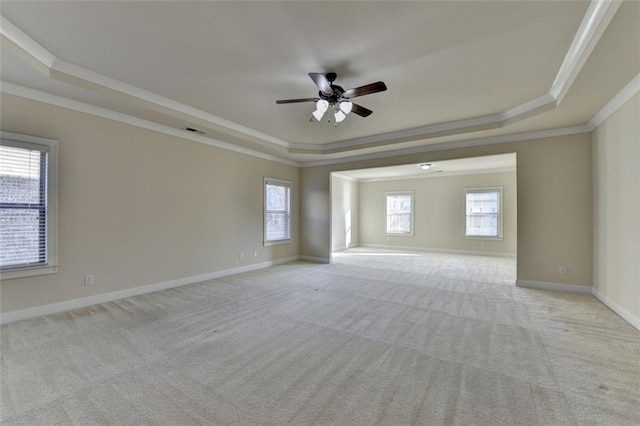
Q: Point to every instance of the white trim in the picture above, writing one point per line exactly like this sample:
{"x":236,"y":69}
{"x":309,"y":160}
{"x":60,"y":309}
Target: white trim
{"x":315,"y":259}
{"x":83,"y":302}
{"x":540,"y":285}
{"x":439,"y":129}
{"x":11,"y":274}
{"x":285,"y":184}
{"x":435,"y":175}
{"x":492,"y":140}
{"x":538,"y":105}
{"x":51,"y":147}
{"x":67,"y":72}
{"x":593,"y":25}
{"x":169,"y":105}
{"x":441,"y":250}
{"x":26,"y":43}
{"x":59,"y":101}
{"x":627,"y":92}
{"x":622,"y":312}
{"x":411,"y":232}
{"x":344,"y":177}
{"x":482,"y":190}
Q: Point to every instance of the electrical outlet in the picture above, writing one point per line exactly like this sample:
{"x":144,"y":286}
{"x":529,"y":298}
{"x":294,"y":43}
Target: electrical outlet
{"x":562,"y":269}
{"x":88,"y":280}
{"x":255,"y":253}
{"x":241,"y":256}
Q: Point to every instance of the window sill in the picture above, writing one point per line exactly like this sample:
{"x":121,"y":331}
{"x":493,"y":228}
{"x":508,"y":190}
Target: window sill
{"x":398,"y":234}
{"x":481,"y":237}
{"x":10,"y":274}
{"x":275,"y":243}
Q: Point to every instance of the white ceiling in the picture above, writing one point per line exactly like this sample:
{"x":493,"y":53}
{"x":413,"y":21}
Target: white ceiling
{"x":220,"y":66}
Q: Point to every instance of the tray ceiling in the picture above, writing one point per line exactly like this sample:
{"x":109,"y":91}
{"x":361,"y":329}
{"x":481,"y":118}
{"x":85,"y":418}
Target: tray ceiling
{"x":452,"y":68}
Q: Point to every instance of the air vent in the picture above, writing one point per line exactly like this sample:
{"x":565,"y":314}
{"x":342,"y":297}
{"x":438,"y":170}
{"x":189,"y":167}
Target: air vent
{"x":192,"y":130}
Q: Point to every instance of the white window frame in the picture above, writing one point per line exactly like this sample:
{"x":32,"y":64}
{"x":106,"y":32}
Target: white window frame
{"x":480,"y":190}
{"x":51,"y":146}
{"x":386,"y":221}
{"x":287,"y":184}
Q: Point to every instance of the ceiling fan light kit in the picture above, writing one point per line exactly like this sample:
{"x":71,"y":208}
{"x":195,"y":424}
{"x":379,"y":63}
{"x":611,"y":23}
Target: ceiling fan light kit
{"x":335,"y":97}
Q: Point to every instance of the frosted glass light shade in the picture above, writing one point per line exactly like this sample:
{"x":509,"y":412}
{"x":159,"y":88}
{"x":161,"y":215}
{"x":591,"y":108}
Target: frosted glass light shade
{"x":317,"y":114}
{"x":340,"y":116}
{"x":322,"y":106}
{"x":346,"y":107}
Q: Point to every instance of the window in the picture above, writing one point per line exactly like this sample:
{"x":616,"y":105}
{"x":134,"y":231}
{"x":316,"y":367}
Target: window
{"x":399,"y":206}
{"x":483,"y":213}
{"x":277,"y":211}
{"x":28,"y":173}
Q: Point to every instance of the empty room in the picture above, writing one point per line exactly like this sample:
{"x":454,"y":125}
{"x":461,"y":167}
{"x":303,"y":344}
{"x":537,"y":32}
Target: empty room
{"x":346,"y":213}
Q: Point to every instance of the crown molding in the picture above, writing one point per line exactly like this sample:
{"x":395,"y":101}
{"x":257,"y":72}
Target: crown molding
{"x":435,"y":175}
{"x":593,"y":25}
{"x":627,"y":92}
{"x":344,"y":177}
{"x":26,"y":43}
{"x":516,"y":137}
{"x":67,"y":72}
{"x":59,"y":101}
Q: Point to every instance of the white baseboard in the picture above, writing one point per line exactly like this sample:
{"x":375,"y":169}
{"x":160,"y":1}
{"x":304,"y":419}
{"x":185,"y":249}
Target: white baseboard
{"x":440,"y":250}
{"x":540,"y":285}
{"x":626,"y":315}
{"x":342,"y":248}
{"x":315,"y":259}
{"x":83,"y":302}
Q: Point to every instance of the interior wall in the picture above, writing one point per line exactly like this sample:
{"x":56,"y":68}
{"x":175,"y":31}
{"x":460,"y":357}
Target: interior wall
{"x":344,"y":213}
{"x":136,"y":207}
{"x":616,"y":206}
{"x":439,"y":213}
{"x":554,"y":204}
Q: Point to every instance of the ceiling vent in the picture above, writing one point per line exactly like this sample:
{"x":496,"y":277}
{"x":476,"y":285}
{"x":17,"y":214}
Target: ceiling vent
{"x":196,"y":131}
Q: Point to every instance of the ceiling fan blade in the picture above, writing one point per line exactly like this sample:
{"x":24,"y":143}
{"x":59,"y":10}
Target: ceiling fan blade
{"x":365,"y":90}
{"x":293,"y":101}
{"x":321,"y":81}
{"x":361,"y":111}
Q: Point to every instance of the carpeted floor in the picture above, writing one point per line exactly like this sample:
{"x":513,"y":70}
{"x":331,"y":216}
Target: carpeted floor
{"x":375,"y":338}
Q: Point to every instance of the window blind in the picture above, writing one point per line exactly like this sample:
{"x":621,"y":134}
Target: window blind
{"x":23,"y":205}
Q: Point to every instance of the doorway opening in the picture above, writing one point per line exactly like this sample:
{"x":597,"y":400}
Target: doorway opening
{"x":462,"y":212}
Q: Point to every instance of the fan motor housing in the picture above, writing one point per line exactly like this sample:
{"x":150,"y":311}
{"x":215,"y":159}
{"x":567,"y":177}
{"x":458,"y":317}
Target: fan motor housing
{"x":335,"y":97}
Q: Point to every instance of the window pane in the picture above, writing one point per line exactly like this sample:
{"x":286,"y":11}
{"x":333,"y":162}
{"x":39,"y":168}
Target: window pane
{"x":483,"y":213}
{"x":482,"y":225}
{"x":20,"y":237}
{"x":276,"y":197}
{"x":277,"y":226}
{"x":277,"y":212}
{"x":23,"y":207}
{"x":399,"y":213}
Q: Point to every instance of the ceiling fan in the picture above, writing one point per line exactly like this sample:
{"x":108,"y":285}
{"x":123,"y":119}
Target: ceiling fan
{"x":335,"y":97}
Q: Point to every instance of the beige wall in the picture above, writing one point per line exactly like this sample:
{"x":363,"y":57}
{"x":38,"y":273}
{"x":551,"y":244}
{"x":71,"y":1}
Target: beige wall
{"x":137,"y":207}
{"x":616,"y":206}
{"x":439,"y":217}
{"x":554,"y":204}
{"x":344,"y":213}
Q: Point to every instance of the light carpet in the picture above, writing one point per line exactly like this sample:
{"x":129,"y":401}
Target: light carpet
{"x":376,"y":337}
